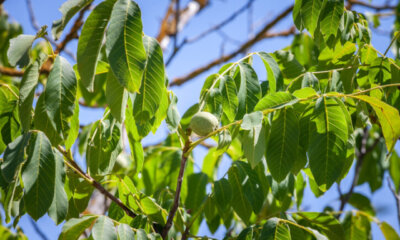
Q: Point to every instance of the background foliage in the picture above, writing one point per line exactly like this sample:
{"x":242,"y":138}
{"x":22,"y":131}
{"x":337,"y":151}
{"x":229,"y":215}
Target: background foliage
{"x":330,"y":99}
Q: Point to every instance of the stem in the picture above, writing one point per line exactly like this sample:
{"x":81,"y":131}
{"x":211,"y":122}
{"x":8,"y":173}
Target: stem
{"x":396,"y":35}
{"x":72,"y":164}
{"x":175,"y":204}
{"x":396,"y":196}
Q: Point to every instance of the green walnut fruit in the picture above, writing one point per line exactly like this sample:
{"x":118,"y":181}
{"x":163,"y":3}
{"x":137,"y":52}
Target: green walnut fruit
{"x":203,"y":123}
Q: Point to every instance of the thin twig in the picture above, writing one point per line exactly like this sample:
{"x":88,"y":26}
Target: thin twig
{"x":72,"y":164}
{"x":259,"y":36}
{"x":369,"y":5}
{"x":396,"y":196}
{"x":37,"y":229}
{"x":175,"y":204}
{"x":36,"y":26}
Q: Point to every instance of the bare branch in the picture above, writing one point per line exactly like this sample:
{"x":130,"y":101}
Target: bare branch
{"x":175,"y":204}
{"x":369,"y":5}
{"x":259,"y":36}
{"x":396,"y":196}
{"x":36,"y":26}
{"x":223,"y":23}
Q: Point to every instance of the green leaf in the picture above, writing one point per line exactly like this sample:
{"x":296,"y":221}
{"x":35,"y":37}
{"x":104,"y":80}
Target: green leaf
{"x":281,"y":153}
{"x":240,"y":203}
{"x":154,"y":211}
{"x":196,"y":185}
{"x":310,"y":80}
{"x":254,"y":188}
{"x":394,"y":169}
{"x":125,"y":232}
{"x":323,"y":222}
{"x":59,"y":207}
{"x":362,"y":203}
{"x":91,"y":41}
{"x":103,"y":147}
{"x":252,"y":120}
{"x":153,"y":82}
{"x":223,"y":194}
{"x":27,"y":91}
{"x":210,"y":162}
{"x":74,"y":227}
{"x":388,"y":117}
{"x":14,"y":156}
{"x":134,"y":138}
{"x":9,"y":122}
{"x":356,"y":227}
{"x":310,"y":12}
{"x":253,"y":142}
{"x":141,"y":235}
{"x":275,"y":101}
{"x":297,"y":15}
{"x":56,"y":105}
{"x":274,"y":229}
{"x":116,"y":97}
{"x":291,"y":68}
{"x":18,"y":52}
{"x":249,"y":90}
{"x":68,"y":9}
{"x":39,"y":176}
{"x":230,"y":100}
{"x":104,"y":229}
{"x":124,"y":45}
{"x":328,"y":137}
{"x":388,"y":231}
{"x":330,"y":17}
{"x":74,"y":130}
{"x":274,"y":74}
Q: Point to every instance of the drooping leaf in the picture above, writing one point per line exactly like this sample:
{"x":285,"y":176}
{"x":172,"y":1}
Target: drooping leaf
{"x":362,"y":203}
{"x":27,"y":91}
{"x":173,"y":116}
{"x":252,"y":120}
{"x":18,"y":52}
{"x":59,"y":207}
{"x":356,"y":227}
{"x":240,"y":203}
{"x":310,"y":13}
{"x":323,"y":222}
{"x":39,"y":176}
{"x":68,"y":9}
{"x":388,"y":231}
{"x":249,"y":91}
{"x":330,"y":17}
{"x":14,"y":156}
{"x":230,"y":100}
{"x":56,"y":105}
{"x":223,"y":194}
{"x":273,"y":229}
{"x":104,"y":228}
{"x":9,"y":121}
{"x":124,"y":45}
{"x":116,"y":97}
{"x":153,"y":210}
{"x":153,"y":82}
{"x":104,"y":146}
{"x":196,"y":185}
{"x":389,"y":119}
{"x":281,"y":153}
{"x":327,"y":141}
{"x":74,"y":128}
{"x":253,"y":142}
{"x":274,"y":75}
{"x":125,"y":232}
{"x":74,"y":227}
{"x":91,"y":40}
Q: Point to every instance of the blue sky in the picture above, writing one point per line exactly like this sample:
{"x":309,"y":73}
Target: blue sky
{"x":196,"y":55}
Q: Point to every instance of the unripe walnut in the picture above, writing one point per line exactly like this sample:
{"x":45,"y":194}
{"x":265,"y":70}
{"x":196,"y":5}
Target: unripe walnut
{"x":203,"y":123}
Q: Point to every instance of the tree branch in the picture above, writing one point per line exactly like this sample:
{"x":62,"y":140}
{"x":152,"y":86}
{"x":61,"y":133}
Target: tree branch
{"x":175,"y":204}
{"x":259,"y":36}
{"x":396,"y":196}
{"x":37,"y":229}
{"x":369,"y":5}
{"x":72,"y":164}
{"x":36,"y":26}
